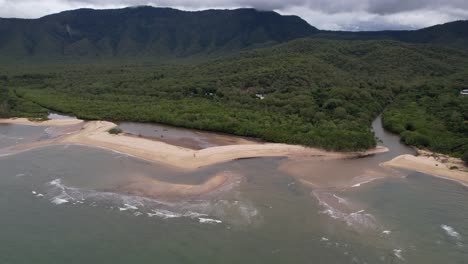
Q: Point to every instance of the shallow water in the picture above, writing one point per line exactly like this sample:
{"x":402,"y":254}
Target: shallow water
{"x":11,"y":135}
{"x":60,"y":116}
{"x":58,"y":206}
{"x":183,"y":137}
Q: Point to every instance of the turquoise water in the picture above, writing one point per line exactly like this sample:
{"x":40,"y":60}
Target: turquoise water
{"x":58,"y":206}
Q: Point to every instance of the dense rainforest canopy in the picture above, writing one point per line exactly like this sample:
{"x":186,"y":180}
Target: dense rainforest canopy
{"x":314,"y":92}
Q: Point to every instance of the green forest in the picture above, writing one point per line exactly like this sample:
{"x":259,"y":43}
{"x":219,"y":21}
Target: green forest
{"x":314,"y":92}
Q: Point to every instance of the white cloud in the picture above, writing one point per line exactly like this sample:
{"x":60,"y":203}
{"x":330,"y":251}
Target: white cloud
{"x":362,"y":20}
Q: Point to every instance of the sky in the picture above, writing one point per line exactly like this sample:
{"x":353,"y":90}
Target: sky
{"x":324,"y":14}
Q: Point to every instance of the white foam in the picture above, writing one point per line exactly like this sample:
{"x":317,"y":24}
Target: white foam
{"x":128,"y":207}
{"x":386,"y":232}
{"x":33,"y":192}
{"x":209,"y":221}
{"x":56,"y":182}
{"x":340,"y":199}
{"x":364,"y":182}
{"x":39,"y":195}
{"x":397,"y":253}
{"x":59,"y":201}
{"x":324,"y":239}
{"x":164,"y":214}
{"x":194,"y":214}
{"x":239,"y":212}
{"x":356,"y":219}
{"x":20,"y":175}
{"x":451,"y":231}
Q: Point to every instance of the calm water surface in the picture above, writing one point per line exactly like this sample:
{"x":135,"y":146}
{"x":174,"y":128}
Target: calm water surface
{"x":58,"y":206}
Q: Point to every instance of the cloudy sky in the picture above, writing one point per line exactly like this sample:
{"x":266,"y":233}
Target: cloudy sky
{"x":324,"y":14}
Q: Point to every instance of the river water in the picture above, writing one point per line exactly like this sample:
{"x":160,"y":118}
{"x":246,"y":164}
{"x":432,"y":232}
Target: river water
{"x":59,"y":205}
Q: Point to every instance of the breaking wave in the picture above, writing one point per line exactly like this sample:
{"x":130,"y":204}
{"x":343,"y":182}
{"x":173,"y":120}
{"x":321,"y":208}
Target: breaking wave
{"x":357,"y":219}
{"x":202,"y":211}
{"x":451,"y":231}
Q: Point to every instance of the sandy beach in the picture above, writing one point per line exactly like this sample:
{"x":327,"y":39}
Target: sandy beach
{"x":429,"y":165}
{"x":95,"y":134}
{"x":56,"y":122}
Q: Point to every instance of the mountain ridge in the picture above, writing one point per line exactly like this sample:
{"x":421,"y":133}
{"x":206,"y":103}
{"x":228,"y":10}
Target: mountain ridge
{"x":147,"y":31}
{"x":165,"y":33}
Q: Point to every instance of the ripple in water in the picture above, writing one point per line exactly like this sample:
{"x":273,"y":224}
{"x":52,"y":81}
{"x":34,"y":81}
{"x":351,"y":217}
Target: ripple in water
{"x":359,"y":220}
{"x":203,"y":211}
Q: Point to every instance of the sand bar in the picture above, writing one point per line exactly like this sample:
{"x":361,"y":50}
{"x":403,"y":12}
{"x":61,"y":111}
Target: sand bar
{"x":428,"y":165}
{"x":55,"y":122}
{"x":149,"y":187}
{"x":95,"y":134}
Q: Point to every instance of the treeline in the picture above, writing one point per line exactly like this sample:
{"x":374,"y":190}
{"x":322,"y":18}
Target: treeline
{"x":320,"y":93}
{"x":13,"y":106}
{"x":433,"y":115}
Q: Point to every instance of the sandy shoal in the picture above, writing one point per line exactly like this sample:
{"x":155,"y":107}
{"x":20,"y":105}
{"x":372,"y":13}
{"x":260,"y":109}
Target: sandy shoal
{"x":429,"y":166}
{"x":95,"y":134}
{"x":149,"y":187}
{"x":55,"y":122}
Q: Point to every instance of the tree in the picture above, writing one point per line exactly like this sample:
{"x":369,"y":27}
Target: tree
{"x":465,"y":157}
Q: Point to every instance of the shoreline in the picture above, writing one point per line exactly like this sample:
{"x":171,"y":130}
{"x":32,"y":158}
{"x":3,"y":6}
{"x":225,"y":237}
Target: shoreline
{"x":95,"y":134}
{"x":28,"y":122}
{"x":428,"y":165}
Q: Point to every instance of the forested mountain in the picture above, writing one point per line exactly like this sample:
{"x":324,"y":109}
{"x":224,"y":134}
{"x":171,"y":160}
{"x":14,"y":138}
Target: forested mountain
{"x":145,"y":32}
{"x":159,"y":34}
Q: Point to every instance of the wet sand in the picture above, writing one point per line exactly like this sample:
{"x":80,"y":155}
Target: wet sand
{"x":55,"y":122}
{"x":153,"y":188}
{"x":429,"y":165}
{"x":95,"y":134}
{"x":334,"y":173}
{"x":183,"y":137}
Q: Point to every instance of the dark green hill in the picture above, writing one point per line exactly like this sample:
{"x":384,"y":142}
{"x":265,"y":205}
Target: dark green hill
{"x":162,"y":34}
{"x":145,"y":32}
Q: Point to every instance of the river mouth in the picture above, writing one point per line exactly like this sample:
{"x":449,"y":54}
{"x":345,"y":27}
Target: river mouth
{"x":274,"y":210}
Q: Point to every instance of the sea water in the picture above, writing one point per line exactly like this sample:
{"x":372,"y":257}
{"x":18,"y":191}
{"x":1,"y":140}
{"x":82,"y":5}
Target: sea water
{"x":57,"y":205}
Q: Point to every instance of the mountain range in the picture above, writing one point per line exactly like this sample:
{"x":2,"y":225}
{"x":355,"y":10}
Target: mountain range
{"x":164,"y":33}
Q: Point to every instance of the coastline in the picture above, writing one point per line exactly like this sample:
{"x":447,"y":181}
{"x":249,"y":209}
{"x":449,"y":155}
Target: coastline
{"x":428,"y":165}
{"x":28,"y":122}
{"x":95,"y":134}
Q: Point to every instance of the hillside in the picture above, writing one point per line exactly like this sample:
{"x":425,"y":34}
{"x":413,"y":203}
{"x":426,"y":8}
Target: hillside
{"x":162,"y":34}
{"x":453,"y":34}
{"x":144,"y":32}
{"x":315,"y":92}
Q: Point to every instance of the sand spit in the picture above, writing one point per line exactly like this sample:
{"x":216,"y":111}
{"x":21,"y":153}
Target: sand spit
{"x":430,"y":165}
{"x":149,"y":187}
{"x":95,"y":134}
{"x":25,"y":121}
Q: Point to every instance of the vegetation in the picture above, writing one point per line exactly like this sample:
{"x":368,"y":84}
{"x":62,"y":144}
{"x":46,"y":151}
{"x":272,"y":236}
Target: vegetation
{"x":432,"y":115}
{"x":320,"y":93}
{"x":164,"y":34}
{"x":465,"y":157}
{"x":143,"y":32}
{"x":115,"y":131}
{"x":14,"y":106}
